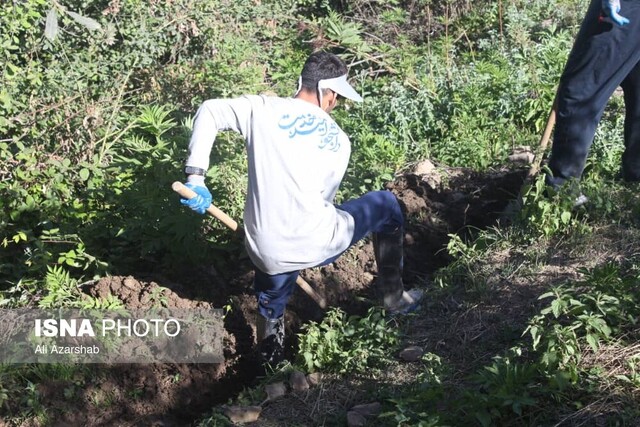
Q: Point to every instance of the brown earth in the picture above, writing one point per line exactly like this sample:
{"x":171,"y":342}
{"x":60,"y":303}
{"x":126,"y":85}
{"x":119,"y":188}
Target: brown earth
{"x":436,"y":204}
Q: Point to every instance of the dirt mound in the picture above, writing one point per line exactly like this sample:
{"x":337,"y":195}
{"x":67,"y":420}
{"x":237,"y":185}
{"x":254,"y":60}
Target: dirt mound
{"x":135,"y":394}
{"x":436,"y":204}
{"x":139,"y":295}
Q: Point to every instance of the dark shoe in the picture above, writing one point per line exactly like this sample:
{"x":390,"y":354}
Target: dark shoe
{"x":570,"y":189}
{"x":408,"y":303}
{"x":580,"y":200}
{"x":270,"y":333}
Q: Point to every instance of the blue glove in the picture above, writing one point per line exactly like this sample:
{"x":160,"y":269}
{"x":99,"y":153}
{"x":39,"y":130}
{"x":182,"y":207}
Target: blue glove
{"x":203,"y":198}
{"x":611,"y":9}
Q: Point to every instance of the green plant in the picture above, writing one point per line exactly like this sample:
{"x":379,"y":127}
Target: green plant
{"x":31,"y":401}
{"x":467,"y":256}
{"x":61,"y":290}
{"x":51,"y":29}
{"x":94,"y":127}
{"x":346,"y":344}
{"x":575,"y":318}
{"x":546,"y":212}
{"x":4,"y":393}
{"x":110,"y":302}
{"x":102,"y":399}
{"x":135,"y":393}
{"x":155,"y":120}
{"x":505,"y":384}
{"x":158,"y":297}
{"x":56,"y":372}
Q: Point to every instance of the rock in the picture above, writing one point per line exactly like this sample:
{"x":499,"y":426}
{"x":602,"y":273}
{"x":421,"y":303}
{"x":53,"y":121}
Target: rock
{"x":130,"y":283}
{"x":298,"y":381}
{"x":425,"y":167}
{"x":355,"y":419}
{"x":408,"y":239}
{"x":526,"y":158}
{"x":412,"y":353}
{"x":368,"y":409}
{"x":275,"y":390}
{"x":427,"y":170}
{"x":242,"y":414}
{"x":522,"y":149}
{"x":357,"y":416}
{"x":522,"y":154}
{"x":314,"y":379}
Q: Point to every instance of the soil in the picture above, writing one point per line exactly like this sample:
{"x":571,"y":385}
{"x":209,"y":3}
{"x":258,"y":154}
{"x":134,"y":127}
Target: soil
{"x":436,"y":204}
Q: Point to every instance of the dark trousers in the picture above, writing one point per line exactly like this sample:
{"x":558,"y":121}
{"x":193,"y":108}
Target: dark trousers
{"x":374,"y":212}
{"x":604,"y":56}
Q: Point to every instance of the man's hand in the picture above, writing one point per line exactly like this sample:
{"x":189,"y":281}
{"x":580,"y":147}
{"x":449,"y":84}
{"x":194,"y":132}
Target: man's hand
{"x":611,"y":9}
{"x":203,"y":198}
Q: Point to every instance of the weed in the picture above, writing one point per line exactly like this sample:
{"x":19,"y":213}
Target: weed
{"x":546,"y":212}
{"x":102,"y":399}
{"x":96,"y":123}
{"x":157,"y":297}
{"x":347,"y":344}
{"x":60,"y":287}
{"x":505,"y":384}
{"x":110,"y":302}
{"x":574,"y":317}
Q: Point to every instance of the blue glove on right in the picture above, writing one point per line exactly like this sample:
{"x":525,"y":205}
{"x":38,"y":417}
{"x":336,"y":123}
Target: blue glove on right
{"x":611,"y":9}
{"x":203,"y":198}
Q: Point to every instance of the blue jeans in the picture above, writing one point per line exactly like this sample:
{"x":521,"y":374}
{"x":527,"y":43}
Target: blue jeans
{"x":374,"y":212}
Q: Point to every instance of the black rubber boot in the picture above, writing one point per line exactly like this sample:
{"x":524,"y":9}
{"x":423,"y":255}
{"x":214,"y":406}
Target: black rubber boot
{"x":388,"y":249}
{"x":270,"y":334}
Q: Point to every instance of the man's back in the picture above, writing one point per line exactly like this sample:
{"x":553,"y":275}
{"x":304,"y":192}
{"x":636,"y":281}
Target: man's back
{"x":297,"y":158}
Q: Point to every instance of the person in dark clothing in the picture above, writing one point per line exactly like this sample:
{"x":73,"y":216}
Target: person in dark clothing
{"x":605,"y":55}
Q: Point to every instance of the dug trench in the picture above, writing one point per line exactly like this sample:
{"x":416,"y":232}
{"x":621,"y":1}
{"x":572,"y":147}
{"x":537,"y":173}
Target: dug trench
{"x":436,"y":203}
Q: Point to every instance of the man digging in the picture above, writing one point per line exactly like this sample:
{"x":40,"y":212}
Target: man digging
{"x":298,"y":156}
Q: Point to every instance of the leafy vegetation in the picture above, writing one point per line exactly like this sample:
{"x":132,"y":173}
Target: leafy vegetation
{"x":347,"y":344}
{"x":96,"y":105}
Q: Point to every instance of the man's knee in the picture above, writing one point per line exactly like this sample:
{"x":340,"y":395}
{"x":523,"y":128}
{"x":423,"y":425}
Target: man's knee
{"x":392,"y":205}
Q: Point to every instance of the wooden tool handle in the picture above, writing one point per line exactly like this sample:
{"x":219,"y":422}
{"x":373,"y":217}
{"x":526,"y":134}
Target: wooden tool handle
{"x":188,"y":193}
{"x":311,"y":292}
{"x":544,"y":141}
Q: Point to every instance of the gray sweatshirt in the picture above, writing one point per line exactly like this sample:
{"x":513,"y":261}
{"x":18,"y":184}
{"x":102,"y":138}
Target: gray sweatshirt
{"x":297,"y":158}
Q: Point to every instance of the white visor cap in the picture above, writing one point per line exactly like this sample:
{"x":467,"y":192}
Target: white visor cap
{"x":341,"y":86}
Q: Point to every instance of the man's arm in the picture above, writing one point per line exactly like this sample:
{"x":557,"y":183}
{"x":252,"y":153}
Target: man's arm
{"x":212,"y":117}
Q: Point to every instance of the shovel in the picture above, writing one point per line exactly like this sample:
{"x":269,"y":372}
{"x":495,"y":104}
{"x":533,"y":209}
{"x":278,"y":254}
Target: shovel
{"x":212,"y":210}
{"x":516,"y":205}
{"x":544,"y":141}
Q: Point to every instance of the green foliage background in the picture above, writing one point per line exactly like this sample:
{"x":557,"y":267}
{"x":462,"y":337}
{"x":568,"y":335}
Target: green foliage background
{"x":95,"y":122}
